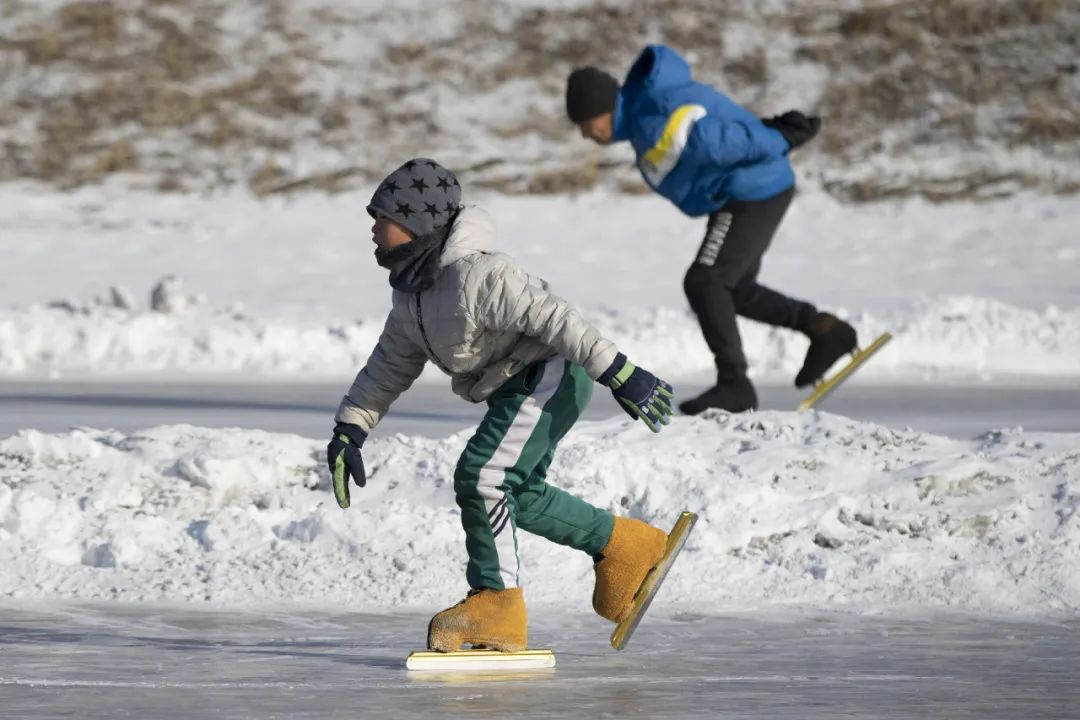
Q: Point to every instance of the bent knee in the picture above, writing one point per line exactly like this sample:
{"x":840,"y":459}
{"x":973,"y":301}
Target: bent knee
{"x":744,"y":293}
{"x":697,"y":281}
{"x":466,"y":476}
{"x":701,"y":281}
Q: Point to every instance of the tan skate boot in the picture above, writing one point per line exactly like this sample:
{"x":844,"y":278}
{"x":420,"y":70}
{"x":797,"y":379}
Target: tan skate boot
{"x":634,"y":548}
{"x":493,"y":619}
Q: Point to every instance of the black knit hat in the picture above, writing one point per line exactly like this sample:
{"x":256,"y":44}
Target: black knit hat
{"x":590,"y":92}
{"x":421,"y":196}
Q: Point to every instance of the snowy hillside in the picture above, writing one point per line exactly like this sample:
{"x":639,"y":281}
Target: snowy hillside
{"x":949,"y":99}
{"x":794,"y":509}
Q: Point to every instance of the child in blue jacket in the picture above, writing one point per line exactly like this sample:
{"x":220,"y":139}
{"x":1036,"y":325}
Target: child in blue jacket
{"x":710,"y":156}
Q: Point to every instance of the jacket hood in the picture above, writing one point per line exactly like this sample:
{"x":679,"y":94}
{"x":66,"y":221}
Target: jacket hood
{"x":657,"y":68}
{"x":473,"y":232}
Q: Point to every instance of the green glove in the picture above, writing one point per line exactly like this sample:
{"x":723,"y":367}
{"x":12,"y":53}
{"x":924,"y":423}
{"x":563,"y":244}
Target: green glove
{"x":344,"y":459}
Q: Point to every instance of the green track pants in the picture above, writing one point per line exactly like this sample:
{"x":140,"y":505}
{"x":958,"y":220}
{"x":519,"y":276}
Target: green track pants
{"x":500,"y":478}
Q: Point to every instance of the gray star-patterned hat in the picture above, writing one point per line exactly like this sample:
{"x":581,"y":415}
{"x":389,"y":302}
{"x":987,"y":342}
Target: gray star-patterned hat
{"x":421,"y":196}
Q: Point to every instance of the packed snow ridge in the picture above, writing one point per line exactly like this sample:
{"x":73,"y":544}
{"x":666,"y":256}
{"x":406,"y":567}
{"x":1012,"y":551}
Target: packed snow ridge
{"x":951,"y":335}
{"x":808,"y":509}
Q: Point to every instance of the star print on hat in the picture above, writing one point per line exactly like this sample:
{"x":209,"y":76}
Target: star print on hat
{"x":422,"y":196}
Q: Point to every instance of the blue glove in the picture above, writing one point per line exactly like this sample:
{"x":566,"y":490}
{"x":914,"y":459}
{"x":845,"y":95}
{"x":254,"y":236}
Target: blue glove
{"x":640,"y":393}
{"x":343,"y":457}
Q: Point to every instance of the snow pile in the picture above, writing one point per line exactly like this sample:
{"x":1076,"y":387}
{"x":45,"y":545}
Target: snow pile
{"x":942,"y":278}
{"x":310,"y":257}
{"x":953,"y":336}
{"x":807,"y":508}
{"x":949,"y":335}
{"x":179,"y":334}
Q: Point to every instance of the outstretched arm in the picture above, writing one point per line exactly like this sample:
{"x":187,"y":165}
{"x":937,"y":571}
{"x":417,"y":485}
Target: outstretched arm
{"x":392,"y":367}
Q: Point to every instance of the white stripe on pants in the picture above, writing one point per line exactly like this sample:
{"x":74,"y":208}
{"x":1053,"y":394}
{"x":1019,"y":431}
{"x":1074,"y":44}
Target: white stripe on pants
{"x":493,"y":473}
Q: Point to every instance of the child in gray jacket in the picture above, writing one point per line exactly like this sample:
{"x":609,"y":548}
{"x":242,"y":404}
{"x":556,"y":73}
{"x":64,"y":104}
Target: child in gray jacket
{"x":504,"y":339}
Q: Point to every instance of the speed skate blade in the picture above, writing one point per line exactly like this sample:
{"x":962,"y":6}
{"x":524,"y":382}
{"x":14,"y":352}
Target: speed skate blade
{"x":651,"y":584}
{"x":480,"y":660}
{"x":823,"y":388}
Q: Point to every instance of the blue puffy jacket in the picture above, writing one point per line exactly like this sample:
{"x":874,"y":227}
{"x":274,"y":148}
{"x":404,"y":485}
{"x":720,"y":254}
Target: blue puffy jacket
{"x":696,"y":146}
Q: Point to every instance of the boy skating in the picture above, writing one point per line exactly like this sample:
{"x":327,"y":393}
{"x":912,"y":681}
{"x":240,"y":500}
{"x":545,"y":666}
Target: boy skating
{"x":709,"y":156}
{"x":504,"y":339}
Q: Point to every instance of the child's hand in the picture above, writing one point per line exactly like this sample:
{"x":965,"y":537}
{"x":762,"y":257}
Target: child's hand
{"x":343,"y":457}
{"x":640,"y":393}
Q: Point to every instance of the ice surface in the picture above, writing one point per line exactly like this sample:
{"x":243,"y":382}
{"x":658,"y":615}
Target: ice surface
{"x":117,"y":660}
{"x":959,"y":410}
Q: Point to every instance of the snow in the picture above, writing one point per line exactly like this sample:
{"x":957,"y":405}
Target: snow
{"x":815,"y":509}
{"x":287,"y":287}
{"x":795,"y":509}
{"x":807,"y":509}
{"x":947,"y":336}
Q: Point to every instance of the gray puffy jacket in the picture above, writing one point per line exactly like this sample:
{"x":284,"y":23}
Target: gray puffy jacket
{"x":482,"y":321}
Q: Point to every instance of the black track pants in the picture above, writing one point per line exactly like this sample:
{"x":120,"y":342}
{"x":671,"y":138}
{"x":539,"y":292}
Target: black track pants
{"x":722,"y":282}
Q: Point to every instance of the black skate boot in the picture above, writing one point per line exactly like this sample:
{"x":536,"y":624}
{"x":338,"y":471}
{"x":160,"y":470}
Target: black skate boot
{"x":830,"y":339}
{"x":733,"y":392}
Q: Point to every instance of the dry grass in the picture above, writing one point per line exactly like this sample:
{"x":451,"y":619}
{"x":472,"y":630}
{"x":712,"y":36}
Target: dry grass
{"x":545,"y":44}
{"x":142,"y":73}
{"x":605,"y":34}
{"x":975,"y":185}
{"x":959,"y":75}
{"x":1047,"y":121}
{"x":161,"y":89}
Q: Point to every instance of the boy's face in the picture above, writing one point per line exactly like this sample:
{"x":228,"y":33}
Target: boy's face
{"x":597,"y":129}
{"x":388,"y":235}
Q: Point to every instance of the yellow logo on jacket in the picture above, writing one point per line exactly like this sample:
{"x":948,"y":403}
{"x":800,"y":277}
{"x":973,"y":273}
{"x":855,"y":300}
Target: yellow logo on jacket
{"x":662,"y":157}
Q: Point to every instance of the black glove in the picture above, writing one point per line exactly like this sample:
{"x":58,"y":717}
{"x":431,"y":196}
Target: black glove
{"x":796,"y":128}
{"x":343,"y":457}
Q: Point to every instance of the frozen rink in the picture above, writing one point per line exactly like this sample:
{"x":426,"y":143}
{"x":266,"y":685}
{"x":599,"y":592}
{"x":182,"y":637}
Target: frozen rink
{"x":960,"y":410}
{"x":141,"y":661}
{"x":147,"y":660}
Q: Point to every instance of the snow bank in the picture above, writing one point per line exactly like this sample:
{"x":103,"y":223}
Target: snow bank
{"x":98,"y":337}
{"x":953,"y":336}
{"x":293,"y":289}
{"x":809,"y":509}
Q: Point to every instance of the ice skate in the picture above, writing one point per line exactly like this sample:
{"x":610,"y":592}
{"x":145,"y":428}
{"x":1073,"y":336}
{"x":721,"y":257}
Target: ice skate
{"x":653,"y":580}
{"x":830,"y":339}
{"x":487,"y":618}
{"x":633,"y":550}
{"x":451,"y":663}
{"x":858,"y":357}
{"x":733,"y":392}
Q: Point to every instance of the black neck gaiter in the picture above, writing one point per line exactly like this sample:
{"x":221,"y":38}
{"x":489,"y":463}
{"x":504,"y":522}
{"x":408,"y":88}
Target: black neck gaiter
{"x":414,"y":265}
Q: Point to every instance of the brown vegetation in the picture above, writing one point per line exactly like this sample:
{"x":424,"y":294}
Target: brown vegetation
{"x":950,"y":75}
{"x":160,"y":89}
